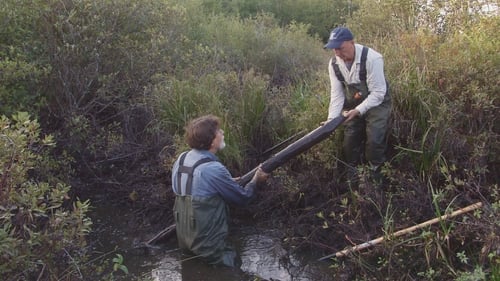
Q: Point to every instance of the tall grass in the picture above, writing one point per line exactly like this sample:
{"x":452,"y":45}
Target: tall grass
{"x":437,"y":91}
{"x":245,"y":71}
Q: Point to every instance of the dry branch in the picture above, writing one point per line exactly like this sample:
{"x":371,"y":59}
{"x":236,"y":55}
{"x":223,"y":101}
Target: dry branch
{"x":165,"y":232}
{"x":403,"y":231}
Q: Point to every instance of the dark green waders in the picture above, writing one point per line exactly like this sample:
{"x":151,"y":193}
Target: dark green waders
{"x":371,"y":129}
{"x":202,"y":225}
{"x":202,"y":229}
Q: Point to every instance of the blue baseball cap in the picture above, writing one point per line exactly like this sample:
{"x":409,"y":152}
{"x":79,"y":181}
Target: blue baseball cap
{"x":338,"y":36}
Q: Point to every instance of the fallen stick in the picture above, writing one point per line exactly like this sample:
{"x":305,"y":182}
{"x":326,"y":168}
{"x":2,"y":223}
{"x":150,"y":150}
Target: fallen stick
{"x":403,"y":231}
{"x":168,"y":230}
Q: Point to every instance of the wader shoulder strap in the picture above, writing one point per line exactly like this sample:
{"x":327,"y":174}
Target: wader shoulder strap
{"x":336,"y":69}
{"x":362,"y":69}
{"x":189,"y":171}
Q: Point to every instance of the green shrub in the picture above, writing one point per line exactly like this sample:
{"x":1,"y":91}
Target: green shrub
{"x":21,"y":67}
{"x":42,"y":236}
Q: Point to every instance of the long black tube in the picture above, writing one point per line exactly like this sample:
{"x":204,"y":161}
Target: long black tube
{"x":296,"y":148}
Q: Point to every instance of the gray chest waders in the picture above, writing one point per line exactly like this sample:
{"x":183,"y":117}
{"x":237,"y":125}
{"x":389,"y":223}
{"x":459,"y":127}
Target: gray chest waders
{"x":184,"y":214}
{"x":201,"y":223}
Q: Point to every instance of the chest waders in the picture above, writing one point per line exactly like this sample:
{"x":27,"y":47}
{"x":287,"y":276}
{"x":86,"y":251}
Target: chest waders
{"x":201,"y":222}
{"x":355,"y":93}
{"x":370,"y":129}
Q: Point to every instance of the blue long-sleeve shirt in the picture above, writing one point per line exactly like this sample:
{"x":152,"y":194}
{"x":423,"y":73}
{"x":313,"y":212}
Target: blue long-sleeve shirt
{"x":211,"y":179}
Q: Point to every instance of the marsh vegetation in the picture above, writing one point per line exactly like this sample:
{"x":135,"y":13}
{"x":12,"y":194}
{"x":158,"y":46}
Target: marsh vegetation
{"x":94,"y":96}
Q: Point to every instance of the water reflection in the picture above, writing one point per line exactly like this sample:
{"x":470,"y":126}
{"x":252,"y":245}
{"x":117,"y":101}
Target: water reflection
{"x":261,"y":251}
{"x":195,"y":270}
{"x":263,"y":255}
{"x":263,"y":259}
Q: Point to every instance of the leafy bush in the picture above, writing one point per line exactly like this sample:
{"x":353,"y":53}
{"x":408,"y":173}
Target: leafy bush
{"x":21,"y":68}
{"x":41,"y":235}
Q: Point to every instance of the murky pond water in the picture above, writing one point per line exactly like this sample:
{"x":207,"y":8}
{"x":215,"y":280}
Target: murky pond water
{"x":261,"y":252}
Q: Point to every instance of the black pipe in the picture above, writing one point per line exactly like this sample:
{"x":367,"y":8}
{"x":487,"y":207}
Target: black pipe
{"x":296,"y":148}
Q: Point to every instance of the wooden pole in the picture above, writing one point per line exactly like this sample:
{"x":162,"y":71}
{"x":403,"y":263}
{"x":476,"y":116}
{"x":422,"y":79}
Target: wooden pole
{"x":403,"y":231}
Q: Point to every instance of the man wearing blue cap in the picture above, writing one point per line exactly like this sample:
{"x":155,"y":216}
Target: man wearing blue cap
{"x":359,"y":91}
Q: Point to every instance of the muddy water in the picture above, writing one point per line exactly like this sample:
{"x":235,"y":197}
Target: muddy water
{"x":262,"y":254}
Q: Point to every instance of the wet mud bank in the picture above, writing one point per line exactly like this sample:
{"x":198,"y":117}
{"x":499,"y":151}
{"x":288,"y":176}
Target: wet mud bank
{"x":263,"y":253}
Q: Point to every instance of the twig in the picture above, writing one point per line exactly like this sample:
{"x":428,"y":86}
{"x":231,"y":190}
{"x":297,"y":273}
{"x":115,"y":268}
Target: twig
{"x":76,"y":266}
{"x":41,"y":273}
{"x":69,"y":270}
{"x":161,"y":234}
{"x":403,"y":231}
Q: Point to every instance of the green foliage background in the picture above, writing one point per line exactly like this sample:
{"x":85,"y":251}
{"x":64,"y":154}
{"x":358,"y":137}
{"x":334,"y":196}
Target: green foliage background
{"x":115,"y":81}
